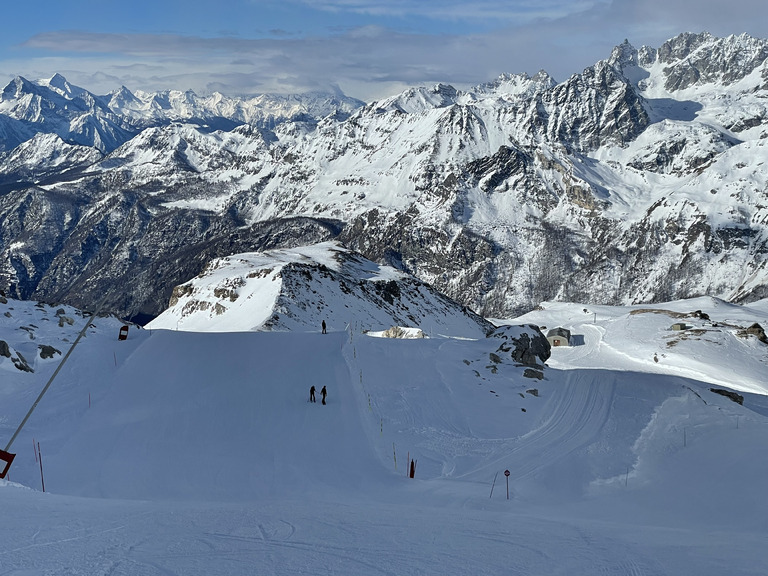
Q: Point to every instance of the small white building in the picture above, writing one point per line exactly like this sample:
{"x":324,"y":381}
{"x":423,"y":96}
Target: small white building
{"x":559,"y":337}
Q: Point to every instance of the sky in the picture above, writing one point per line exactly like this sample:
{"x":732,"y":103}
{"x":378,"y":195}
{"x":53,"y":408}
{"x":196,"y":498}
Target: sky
{"x":369,"y":49}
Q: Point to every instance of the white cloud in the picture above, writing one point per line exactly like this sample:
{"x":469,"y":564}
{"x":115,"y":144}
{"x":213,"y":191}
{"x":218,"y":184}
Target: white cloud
{"x":371,"y":62}
{"x":496,"y":10}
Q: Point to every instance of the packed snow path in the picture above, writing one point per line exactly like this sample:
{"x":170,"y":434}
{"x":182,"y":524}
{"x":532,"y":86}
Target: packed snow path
{"x":64,"y":535}
{"x":573,"y":417}
{"x":241,"y":425}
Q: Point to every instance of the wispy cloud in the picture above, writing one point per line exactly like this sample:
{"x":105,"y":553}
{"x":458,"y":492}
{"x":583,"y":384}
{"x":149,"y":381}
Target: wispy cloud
{"x":373,"y":60}
{"x":499,"y":11}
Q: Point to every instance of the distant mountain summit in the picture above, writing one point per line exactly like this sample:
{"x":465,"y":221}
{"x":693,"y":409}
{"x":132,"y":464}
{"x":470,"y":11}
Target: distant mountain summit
{"x":55,"y":106}
{"x":640,"y":179}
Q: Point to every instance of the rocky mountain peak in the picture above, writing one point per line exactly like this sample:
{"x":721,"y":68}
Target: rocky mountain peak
{"x":16,"y":88}
{"x":60,"y":85}
{"x":517,"y":85}
{"x":682,"y":46}
{"x":447,"y":92}
{"x":698,"y":59}
{"x":542,"y":78}
{"x":624,"y":55}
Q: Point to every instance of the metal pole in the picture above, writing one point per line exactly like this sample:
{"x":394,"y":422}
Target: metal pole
{"x":494,"y":484}
{"x":42,"y":479}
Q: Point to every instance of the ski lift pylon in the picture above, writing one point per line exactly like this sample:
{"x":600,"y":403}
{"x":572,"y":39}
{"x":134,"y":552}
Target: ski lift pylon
{"x":5,"y":455}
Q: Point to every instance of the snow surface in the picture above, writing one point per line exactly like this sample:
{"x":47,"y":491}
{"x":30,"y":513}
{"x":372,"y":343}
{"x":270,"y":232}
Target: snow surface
{"x":292,"y":289}
{"x":198,"y":453}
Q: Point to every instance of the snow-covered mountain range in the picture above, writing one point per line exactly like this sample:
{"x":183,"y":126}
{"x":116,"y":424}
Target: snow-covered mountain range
{"x":642,"y":179}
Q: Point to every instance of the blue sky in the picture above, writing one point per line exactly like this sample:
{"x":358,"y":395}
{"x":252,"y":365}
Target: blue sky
{"x":368,"y":48}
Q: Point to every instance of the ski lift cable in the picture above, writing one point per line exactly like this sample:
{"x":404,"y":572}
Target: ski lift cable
{"x":56,"y":372}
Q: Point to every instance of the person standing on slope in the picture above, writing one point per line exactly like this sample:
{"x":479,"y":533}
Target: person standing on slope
{"x":324,"y":393}
{"x":324,"y":332}
{"x":312,"y":394}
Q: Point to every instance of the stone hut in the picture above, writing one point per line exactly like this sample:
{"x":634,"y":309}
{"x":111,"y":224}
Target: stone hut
{"x":559,"y":337}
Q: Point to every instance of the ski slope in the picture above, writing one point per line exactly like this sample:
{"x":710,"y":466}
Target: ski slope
{"x":198,"y":453}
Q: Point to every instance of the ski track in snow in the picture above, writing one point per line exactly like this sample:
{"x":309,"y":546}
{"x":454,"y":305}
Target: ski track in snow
{"x":576,"y":413}
{"x":582,"y":408}
{"x":323,"y":538}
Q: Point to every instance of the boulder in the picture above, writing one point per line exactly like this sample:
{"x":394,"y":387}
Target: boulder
{"x":738,"y":398}
{"x":757,"y":330}
{"x":47,"y":351}
{"x":21,"y":363}
{"x":526,"y":344}
{"x":400,"y":332}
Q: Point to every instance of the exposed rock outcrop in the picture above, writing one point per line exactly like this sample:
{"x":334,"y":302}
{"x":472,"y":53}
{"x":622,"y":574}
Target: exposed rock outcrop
{"x":525,"y":344}
{"x":736,"y":397}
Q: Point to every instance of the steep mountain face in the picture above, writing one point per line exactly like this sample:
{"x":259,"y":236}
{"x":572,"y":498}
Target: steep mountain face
{"x":641,"y":179}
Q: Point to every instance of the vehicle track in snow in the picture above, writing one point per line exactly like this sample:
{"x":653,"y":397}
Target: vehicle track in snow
{"x":574,"y":417}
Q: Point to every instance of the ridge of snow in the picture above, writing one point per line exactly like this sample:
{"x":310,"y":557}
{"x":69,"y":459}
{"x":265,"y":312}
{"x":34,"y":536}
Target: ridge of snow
{"x":299,"y":288}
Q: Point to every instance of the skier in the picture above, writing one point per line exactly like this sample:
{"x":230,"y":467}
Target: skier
{"x":312,"y":394}
{"x":324,"y":332}
{"x":324,"y":393}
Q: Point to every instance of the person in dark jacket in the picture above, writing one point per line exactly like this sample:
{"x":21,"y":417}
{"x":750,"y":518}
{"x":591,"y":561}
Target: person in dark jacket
{"x":312,"y":394}
{"x":324,"y":393}
{"x":324,"y":332}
